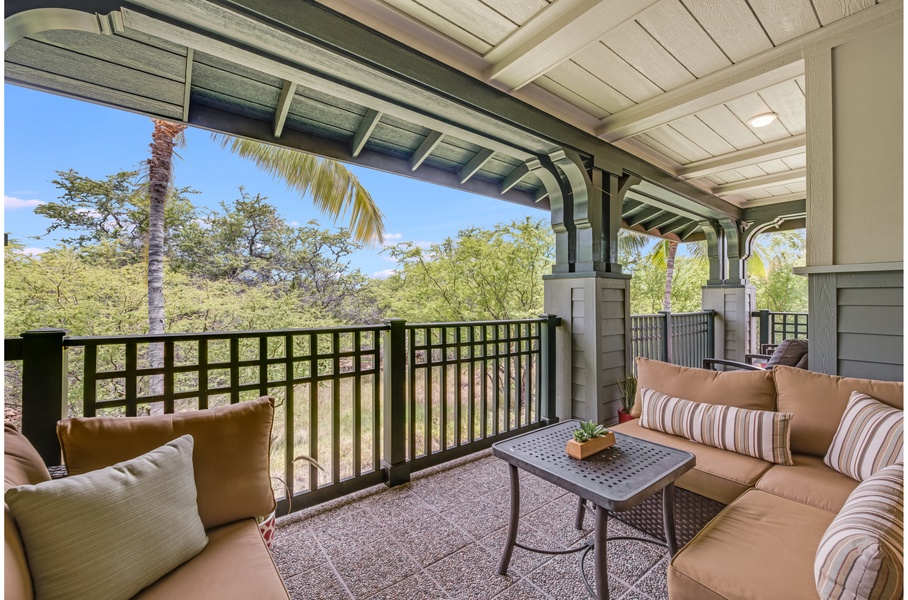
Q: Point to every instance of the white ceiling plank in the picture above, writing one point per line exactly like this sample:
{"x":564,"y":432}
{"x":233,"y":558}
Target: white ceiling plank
{"x":755,"y":194}
{"x":833,"y":10}
{"x":730,"y":176}
{"x":555,"y":35}
{"x":632,"y":43}
{"x":473,"y":16}
{"x":679,"y":33}
{"x":786,"y":20}
{"x":752,"y":105}
{"x":774,"y":166}
{"x":518,"y":11}
{"x":761,"y":182}
{"x":567,"y":93}
{"x":661,"y":148}
{"x":796,"y":187}
{"x":670,"y":138}
{"x":430,"y":19}
{"x":648,"y":153}
{"x":733,"y":25}
{"x":787,"y":101}
{"x":796,"y":161}
{"x":715,"y":179}
{"x":698,"y":132}
{"x":780,"y":190}
{"x":782,"y":149}
{"x":600,"y":59}
{"x":748,"y":76}
{"x":770,"y":200}
{"x":751,"y":171}
{"x":725,"y":123}
{"x":583,"y":83}
{"x":547,"y":101}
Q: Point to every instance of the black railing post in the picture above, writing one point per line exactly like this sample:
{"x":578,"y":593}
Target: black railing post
{"x":765,"y":328}
{"x":394,"y":459}
{"x":666,"y":335}
{"x":44,"y":393}
{"x":711,"y":333}
{"x":547,"y":367}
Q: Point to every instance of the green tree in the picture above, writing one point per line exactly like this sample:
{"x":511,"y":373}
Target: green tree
{"x":480,"y":274}
{"x":778,"y":288}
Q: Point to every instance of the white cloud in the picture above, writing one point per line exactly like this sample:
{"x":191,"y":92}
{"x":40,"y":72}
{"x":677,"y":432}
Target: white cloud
{"x":34,"y":251}
{"x":383,"y":274}
{"x":10,"y":202}
{"x":294,"y":223}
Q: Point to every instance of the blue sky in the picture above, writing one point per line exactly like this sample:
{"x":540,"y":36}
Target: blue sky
{"x":46,"y":133}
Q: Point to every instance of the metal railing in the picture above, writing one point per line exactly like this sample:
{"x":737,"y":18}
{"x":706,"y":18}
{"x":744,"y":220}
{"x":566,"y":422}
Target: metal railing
{"x":680,"y":338}
{"x":370,"y":403}
{"x":773,"y":327}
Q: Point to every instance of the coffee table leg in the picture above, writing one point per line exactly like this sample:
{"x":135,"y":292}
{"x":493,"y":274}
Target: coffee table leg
{"x":512,"y":525}
{"x":600,"y":552}
{"x":581,"y":510}
{"x":668,"y":517}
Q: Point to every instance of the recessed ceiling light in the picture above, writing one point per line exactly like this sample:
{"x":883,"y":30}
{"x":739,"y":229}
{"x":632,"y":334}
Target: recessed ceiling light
{"x":763,"y":120}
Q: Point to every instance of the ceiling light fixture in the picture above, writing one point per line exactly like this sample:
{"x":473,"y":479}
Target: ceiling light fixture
{"x":763,"y":120}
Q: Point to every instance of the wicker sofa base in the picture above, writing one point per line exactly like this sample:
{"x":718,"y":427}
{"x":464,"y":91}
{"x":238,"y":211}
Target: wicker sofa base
{"x":692,"y":513}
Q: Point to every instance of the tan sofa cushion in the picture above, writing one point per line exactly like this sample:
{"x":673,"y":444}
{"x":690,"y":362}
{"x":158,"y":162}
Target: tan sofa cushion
{"x":743,"y":389}
{"x":810,"y":482}
{"x":235,"y":564}
{"x":719,"y":474}
{"x":230,"y":456}
{"x":761,"y":546}
{"x":818,"y":402}
{"x":22,"y":465}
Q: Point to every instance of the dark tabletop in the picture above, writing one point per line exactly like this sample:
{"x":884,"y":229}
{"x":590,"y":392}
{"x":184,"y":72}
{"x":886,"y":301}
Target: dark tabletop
{"x":616,"y":479}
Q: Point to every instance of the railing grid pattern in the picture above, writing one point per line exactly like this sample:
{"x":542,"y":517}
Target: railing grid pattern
{"x":774,"y":327}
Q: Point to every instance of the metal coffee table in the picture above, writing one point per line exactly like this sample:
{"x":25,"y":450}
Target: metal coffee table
{"x":614,"y":480}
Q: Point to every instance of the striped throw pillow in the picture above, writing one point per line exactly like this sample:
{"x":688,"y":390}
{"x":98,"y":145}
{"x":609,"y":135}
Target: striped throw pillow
{"x":758,"y":433}
{"x":870,"y":436}
{"x":860,"y":555}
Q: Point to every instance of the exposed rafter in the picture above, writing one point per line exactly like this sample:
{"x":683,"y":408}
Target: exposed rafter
{"x":691,"y":229}
{"x":476,"y":163}
{"x":661,"y":221}
{"x":365,"y":129}
{"x":187,"y":83}
{"x":782,"y":63}
{"x":761,"y":182}
{"x":790,"y":146}
{"x":554,"y":35}
{"x":425,"y":149}
{"x":513,"y":178}
{"x":283,"y":107}
{"x":644,"y":217}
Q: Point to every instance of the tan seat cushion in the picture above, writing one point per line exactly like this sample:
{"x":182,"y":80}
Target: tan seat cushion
{"x":743,"y":389}
{"x":719,"y":474}
{"x":235,"y":564}
{"x":818,"y":402}
{"x":230,"y":457}
{"x":22,"y":465}
{"x":809,"y":482}
{"x":761,"y":546}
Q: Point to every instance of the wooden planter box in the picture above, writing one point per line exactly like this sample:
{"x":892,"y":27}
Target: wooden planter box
{"x":578,"y":450}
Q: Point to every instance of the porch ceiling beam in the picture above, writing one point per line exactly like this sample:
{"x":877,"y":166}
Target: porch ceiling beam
{"x":772,"y":200}
{"x":782,"y":210}
{"x":513,"y":178}
{"x":655,"y":196}
{"x":553,"y":36}
{"x":187,"y":83}
{"x":631,"y":207}
{"x":476,"y":163}
{"x":677,"y":227}
{"x":647,"y":215}
{"x":283,"y":106}
{"x":790,"y":146}
{"x":661,"y":221}
{"x":425,"y":149}
{"x":691,"y":229}
{"x":540,"y":194}
{"x":761,"y":182}
{"x":364,"y":131}
{"x":782,"y":63}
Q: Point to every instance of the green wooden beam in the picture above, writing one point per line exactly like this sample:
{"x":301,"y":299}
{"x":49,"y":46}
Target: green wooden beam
{"x":365,"y":129}
{"x":476,"y":163}
{"x":283,"y":106}
{"x":425,"y":149}
{"x":644,"y":216}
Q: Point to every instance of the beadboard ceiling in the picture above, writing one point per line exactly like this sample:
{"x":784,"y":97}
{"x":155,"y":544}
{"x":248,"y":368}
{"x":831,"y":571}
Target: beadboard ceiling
{"x":671,"y":81}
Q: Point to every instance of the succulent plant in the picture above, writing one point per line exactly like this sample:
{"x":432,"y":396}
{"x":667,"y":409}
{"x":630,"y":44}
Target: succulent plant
{"x":589,"y":430}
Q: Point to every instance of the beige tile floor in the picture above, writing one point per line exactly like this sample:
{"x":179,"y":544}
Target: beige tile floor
{"x":441,"y":536}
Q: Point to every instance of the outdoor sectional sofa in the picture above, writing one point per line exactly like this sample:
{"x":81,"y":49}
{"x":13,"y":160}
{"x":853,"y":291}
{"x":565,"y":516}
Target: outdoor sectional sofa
{"x":229,"y":465}
{"x":771,"y":518}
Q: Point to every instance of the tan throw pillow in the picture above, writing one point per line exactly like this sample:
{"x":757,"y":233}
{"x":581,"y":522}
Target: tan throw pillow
{"x":231,"y":456}
{"x":21,"y":462}
{"x":860,"y":555}
{"x":818,"y":402}
{"x":758,"y":433}
{"x":753,"y":390}
{"x":871,"y":436}
{"x":109,"y":533}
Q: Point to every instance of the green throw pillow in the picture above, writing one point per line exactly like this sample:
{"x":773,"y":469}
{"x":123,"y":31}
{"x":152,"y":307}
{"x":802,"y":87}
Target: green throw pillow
{"x":107,"y":534}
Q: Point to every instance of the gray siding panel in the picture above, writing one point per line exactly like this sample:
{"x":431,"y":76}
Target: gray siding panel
{"x":884,"y":349}
{"x":880,"y":320}
{"x":866,"y":370}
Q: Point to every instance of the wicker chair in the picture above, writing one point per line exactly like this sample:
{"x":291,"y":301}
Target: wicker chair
{"x":792,"y":353}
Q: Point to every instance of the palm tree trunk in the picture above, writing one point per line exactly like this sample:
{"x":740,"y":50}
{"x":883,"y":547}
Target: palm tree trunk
{"x":160,"y":170}
{"x":669,"y":274}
